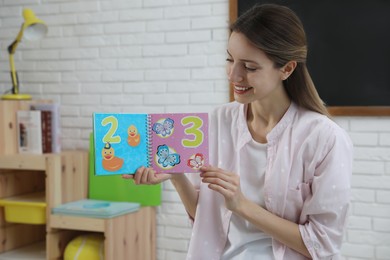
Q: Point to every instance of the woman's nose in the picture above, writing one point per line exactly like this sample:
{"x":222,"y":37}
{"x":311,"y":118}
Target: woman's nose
{"x":234,"y":74}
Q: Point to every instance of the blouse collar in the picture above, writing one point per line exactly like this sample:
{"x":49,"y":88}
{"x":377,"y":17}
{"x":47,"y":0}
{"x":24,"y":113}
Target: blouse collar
{"x":274,"y":134}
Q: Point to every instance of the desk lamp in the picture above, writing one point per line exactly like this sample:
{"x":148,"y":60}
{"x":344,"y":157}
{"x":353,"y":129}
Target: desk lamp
{"x":32,"y":29}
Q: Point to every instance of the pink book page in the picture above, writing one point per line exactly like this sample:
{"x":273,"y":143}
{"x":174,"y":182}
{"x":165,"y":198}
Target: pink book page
{"x":179,"y":142}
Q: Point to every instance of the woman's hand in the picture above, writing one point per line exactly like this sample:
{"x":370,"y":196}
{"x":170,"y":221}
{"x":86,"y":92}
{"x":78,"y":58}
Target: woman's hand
{"x":226,"y":183}
{"x":145,"y":175}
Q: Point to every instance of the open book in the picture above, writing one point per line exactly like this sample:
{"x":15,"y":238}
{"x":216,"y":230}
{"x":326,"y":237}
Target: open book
{"x":167,"y":142}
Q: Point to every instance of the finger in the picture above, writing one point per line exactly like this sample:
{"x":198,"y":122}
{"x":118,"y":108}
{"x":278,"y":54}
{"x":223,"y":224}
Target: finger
{"x":138,"y":175}
{"x":212,"y":169}
{"x":224,"y":192}
{"x":208,"y":168}
{"x":146,"y":175}
{"x":128,"y":176}
{"x":221,"y":174}
{"x":155,"y":178}
{"x":152,"y":178}
{"x":221,"y":183}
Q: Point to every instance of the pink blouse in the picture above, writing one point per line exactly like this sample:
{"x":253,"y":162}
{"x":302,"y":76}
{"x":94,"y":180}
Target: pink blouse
{"x":307,"y":181}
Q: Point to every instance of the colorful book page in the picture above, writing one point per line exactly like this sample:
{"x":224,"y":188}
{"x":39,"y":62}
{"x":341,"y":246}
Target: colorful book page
{"x":179,"y":142}
{"x":121,"y":143}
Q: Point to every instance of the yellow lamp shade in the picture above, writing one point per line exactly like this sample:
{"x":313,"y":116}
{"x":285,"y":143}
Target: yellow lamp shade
{"x":34,"y":28}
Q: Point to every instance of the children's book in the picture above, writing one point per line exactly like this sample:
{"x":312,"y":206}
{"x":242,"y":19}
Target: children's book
{"x":167,"y":142}
{"x":53,"y":130}
{"x":29,"y":131}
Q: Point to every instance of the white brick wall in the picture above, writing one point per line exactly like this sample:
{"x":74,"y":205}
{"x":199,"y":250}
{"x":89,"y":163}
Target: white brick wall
{"x":368,"y":234}
{"x":168,"y":55}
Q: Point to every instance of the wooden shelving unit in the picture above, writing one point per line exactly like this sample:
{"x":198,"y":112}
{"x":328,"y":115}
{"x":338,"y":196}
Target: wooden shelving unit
{"x":63,"y":178}
{"x":24,"y":174}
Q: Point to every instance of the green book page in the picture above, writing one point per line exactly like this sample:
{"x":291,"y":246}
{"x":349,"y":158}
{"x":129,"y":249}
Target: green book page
{"x":114,"y":188}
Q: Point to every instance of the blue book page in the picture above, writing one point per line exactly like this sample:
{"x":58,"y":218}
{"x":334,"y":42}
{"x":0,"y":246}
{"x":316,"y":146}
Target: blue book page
{"x":121,"y":143}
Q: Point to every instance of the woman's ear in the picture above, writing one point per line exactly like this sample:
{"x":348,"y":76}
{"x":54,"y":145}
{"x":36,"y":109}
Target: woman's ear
{"x":288,"y":69}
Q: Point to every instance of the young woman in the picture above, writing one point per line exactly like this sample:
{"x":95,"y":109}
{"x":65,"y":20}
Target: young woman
{"x":279,"y":181}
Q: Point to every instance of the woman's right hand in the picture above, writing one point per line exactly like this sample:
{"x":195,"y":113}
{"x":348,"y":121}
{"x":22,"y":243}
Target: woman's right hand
{"x":145,"y":175}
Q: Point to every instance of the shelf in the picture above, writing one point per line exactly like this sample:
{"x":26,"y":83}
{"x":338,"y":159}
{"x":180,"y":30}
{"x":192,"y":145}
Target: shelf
{"x":77,"y":223}
{"x":24,"y":162}
{"x":35,"y":251}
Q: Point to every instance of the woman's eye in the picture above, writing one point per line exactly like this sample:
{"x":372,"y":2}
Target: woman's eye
{"x":229,"y":60}
{"x":250,"y":68}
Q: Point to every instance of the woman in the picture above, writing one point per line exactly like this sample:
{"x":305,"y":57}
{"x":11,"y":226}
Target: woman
{"x":279,"y":181}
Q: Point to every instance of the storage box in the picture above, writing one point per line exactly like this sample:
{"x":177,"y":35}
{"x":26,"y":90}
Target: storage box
{"x":27,"y":209}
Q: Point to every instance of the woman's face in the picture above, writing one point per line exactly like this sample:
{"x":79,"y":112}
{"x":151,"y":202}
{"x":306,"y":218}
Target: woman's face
{"x":252,"y":74}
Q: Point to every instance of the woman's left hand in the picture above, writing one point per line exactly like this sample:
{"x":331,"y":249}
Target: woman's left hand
{"x":226,"y":183}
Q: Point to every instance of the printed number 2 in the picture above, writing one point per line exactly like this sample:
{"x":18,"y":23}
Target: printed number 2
{"x":193,"y":129}
{"x":109,"y":136}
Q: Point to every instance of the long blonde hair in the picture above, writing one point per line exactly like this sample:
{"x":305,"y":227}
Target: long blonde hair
{"x":278,"y":31}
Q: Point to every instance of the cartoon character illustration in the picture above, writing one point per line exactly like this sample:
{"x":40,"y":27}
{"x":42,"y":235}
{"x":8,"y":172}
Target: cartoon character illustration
{"x":110,"y":162}
{"x":196,"y":161}
{"x":165,"y":158}
{"x":165,"y":128}
{"x":134,"y":138}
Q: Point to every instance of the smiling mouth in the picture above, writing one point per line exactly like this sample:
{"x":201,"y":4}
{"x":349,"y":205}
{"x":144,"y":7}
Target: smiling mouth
{"x":241,"y":90}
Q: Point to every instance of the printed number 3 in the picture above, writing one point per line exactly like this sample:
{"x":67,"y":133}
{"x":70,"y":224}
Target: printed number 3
{"x":193,"y":129}
{"x":109,"y":136}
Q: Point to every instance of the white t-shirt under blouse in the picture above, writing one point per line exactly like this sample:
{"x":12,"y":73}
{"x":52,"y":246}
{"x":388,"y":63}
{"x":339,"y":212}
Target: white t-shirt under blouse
{"x":245,"y":241}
